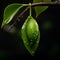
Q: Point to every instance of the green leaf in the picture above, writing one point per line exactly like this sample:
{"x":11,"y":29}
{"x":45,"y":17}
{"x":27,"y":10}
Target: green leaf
{"x":31,"y":35}
{"x":10,"y":11}
{"x":40,"y":9}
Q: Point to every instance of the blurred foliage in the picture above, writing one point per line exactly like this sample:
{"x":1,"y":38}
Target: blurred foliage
{"x":47,"y":25}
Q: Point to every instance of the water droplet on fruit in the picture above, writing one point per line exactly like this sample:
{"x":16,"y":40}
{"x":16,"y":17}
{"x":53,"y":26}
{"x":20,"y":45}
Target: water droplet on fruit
{"x":37,"y":42}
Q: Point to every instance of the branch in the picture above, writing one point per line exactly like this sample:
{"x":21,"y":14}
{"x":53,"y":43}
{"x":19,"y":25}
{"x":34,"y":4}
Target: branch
{"x":41,"y":4}
{"x":33,"y":5}
{"x":46,"y":4}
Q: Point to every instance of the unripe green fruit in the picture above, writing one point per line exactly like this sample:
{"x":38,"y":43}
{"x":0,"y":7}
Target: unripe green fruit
{"x":32,"y":28}
{"x":30,"y":34}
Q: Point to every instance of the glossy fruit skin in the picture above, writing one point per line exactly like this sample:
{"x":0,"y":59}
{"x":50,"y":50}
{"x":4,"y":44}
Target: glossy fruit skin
{"x":30,"y":34}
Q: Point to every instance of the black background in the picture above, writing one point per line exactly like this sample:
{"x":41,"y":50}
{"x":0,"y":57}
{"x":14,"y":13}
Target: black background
{"x":12,"y":47}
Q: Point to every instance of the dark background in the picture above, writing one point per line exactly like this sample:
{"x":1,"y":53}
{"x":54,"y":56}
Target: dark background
{"x":11,"y":46}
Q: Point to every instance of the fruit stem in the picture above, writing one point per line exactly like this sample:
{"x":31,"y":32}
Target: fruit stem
{"x":30,"y":8}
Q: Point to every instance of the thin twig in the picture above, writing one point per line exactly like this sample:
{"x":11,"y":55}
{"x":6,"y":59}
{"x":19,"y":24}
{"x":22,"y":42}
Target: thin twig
{"x":18,"y":18}
{"x":46,"y":4}
{"x":11,"y":26}
{"x":23,"y":12}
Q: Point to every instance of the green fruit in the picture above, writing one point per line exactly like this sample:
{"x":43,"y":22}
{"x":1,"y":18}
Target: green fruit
{"x":30,"y":34}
